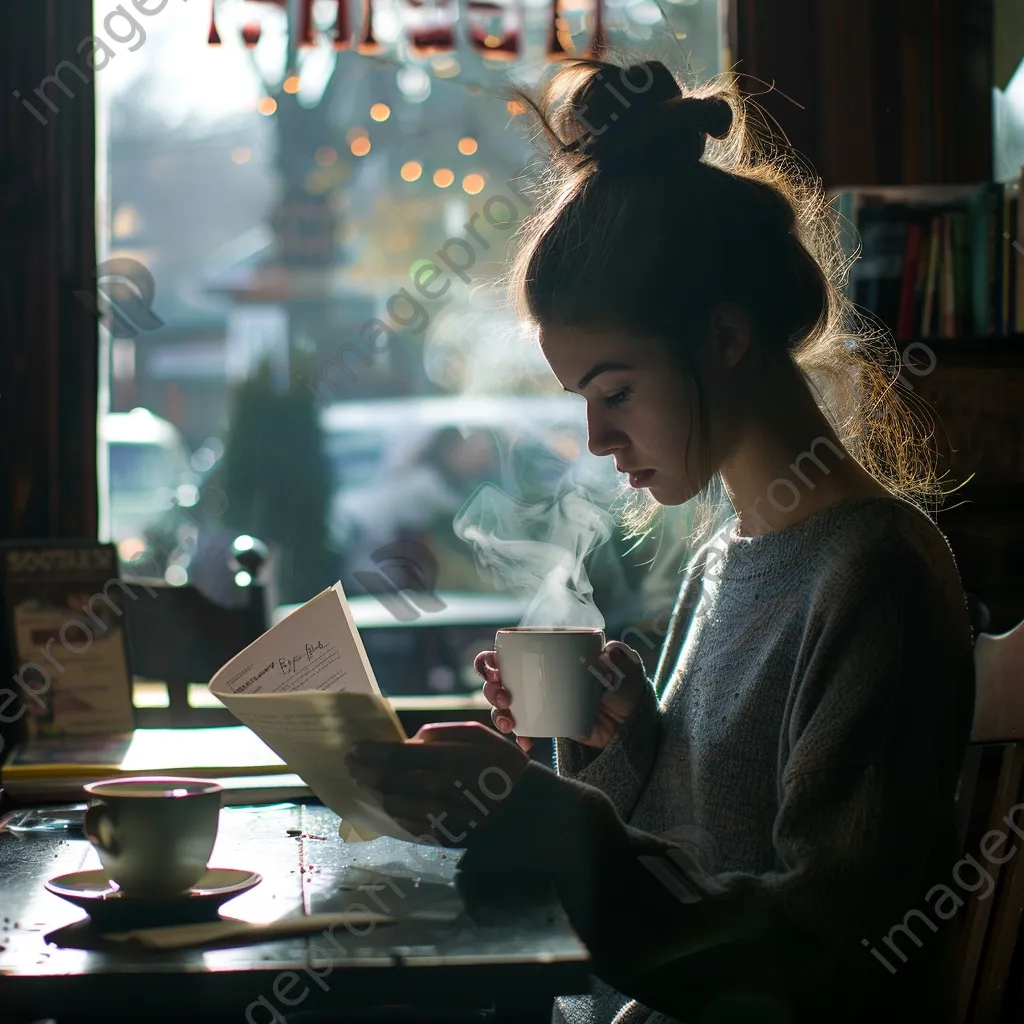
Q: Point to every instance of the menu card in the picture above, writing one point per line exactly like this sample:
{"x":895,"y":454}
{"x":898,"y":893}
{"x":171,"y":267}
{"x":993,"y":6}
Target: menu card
{"x":307,"y":690}
{"x":63,"y":605}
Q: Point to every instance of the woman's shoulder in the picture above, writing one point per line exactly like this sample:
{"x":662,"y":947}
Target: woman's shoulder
{"x":859,"y":531}
{"x":888,"y":545}
{"x":848,"y":548}
{"x":884,"y":534}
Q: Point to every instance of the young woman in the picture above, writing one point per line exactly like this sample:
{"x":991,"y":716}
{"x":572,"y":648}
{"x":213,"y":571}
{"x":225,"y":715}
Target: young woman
{"x":759,"y":833}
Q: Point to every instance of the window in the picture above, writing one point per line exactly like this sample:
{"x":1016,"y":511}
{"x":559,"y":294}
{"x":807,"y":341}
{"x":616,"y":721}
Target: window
{"x":271,"y":364}
{"x":1008,"y":91}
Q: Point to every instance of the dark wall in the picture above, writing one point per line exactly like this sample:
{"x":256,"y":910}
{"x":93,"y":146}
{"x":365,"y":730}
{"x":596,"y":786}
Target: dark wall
{"x":875,"y":92}
{"x":48,"y":339}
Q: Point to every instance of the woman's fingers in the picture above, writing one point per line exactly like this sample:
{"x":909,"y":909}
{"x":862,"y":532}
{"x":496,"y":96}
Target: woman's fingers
{"x":451,"y":732}
{"x":506,"y":724}
{"x":485,"y":664}
{"x":619,"y":657}
{"x":503,"y":720}
{"x":621,"y":665}
{"x":497,"y":696}
{"x":623,"y":653}
{"x":412,"y":755}
{"x":494,"y":693}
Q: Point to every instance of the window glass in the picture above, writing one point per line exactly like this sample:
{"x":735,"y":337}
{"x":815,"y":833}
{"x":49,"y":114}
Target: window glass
{"x":138,"y":467}
{"x":1008,"y":91}
{"x":305,"y":339}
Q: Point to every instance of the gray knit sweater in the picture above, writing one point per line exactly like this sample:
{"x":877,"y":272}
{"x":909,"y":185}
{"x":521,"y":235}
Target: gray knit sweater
{"x":783,"y":794}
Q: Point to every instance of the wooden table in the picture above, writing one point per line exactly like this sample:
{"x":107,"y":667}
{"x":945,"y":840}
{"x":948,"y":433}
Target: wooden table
{"x":460,"y":941}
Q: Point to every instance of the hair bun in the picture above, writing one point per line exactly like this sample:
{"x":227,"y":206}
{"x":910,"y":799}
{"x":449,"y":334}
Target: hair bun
{"x":713,"y":115}
{"x":636,"y":119}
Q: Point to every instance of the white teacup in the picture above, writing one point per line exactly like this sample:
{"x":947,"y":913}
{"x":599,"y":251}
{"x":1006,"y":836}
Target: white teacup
{"x":554,"y":678}
{"x":154,"y":835}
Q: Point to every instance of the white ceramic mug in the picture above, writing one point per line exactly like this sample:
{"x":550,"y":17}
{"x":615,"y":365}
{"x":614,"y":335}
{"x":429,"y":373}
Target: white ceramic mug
{"x":154,"y":835}
{"x":554,"y":678}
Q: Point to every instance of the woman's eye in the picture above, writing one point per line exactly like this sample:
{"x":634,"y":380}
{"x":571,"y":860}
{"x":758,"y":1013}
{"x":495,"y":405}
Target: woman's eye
{"x":617,"y":399}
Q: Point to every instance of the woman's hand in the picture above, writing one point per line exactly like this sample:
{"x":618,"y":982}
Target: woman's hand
{"x":625,"y":680}
{"x":442,"y":783}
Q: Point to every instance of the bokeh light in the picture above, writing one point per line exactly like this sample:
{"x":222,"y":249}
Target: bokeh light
{"x":414,"y":83}
{"x":360,"y":146}
{"x":473,"y":183}
{"x":443,"y":177}
{"x":291,"y":85}
{"x":467,"y":146}
{"x":445,"y":66}
{"x":131,"y":548}
{"x":411,"y":170}
{"x":267,"y":106}
{"x":176,"y":575}
{"x":380,"y":111}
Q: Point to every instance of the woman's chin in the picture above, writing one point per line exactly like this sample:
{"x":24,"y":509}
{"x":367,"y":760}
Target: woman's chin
{"x":665,"y":493}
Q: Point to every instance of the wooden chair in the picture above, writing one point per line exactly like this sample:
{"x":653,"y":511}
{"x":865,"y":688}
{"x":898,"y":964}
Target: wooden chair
{"x":992,"y":782}
{"x":179,"y":636}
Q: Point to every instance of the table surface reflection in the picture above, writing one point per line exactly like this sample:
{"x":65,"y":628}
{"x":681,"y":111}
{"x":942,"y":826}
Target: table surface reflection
{"x":458,"y":941}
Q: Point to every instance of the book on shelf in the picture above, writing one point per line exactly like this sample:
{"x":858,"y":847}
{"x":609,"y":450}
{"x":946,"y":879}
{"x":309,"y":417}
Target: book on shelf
{"x":910,"y":283}
{"x":931,"y":278}
{"x":940,"y":262}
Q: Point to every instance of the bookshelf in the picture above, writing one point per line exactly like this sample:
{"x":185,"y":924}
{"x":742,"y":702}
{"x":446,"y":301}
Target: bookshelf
{"x":975,"y":387}
{"x":977,"y":402}
{"x":941,"y":263}
{"x":1008,"y":349}
{"x":958,"y":316}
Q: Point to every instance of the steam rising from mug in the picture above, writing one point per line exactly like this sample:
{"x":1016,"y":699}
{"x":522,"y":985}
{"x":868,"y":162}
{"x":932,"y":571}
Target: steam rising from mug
{"x":537,"y":551}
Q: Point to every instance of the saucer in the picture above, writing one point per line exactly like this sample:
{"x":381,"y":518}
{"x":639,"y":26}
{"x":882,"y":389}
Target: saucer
{"x":112,"y":910}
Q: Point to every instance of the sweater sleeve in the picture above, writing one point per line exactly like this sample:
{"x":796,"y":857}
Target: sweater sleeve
{"x":865,"y":804}
{"x":622,"y":767}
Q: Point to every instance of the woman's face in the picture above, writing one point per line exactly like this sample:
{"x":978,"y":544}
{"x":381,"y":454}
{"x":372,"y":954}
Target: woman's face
{"x":639,"y":405}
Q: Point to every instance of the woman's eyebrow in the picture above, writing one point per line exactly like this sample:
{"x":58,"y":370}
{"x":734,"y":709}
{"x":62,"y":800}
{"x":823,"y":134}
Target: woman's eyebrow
{"x":597,"y":370}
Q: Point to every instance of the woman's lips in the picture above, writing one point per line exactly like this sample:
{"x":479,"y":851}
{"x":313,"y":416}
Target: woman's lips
{"x":640,"y":478}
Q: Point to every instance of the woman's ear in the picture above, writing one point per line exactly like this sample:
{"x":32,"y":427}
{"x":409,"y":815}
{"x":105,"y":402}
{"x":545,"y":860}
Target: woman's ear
{"x":728,"y":334}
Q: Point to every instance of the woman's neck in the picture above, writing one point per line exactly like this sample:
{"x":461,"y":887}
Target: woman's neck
{"x":789,"y":463}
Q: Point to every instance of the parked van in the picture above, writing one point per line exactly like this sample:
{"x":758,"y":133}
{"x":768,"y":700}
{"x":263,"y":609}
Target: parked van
{"x":148,"y":469}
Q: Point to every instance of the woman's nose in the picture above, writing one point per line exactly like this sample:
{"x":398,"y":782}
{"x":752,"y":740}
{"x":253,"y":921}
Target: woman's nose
{"x":602,"y":439}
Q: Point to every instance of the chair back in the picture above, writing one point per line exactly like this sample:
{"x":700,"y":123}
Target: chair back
{"x":990,"y":800}
{"x":999,"y":687}
{"x":179,"y":636}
